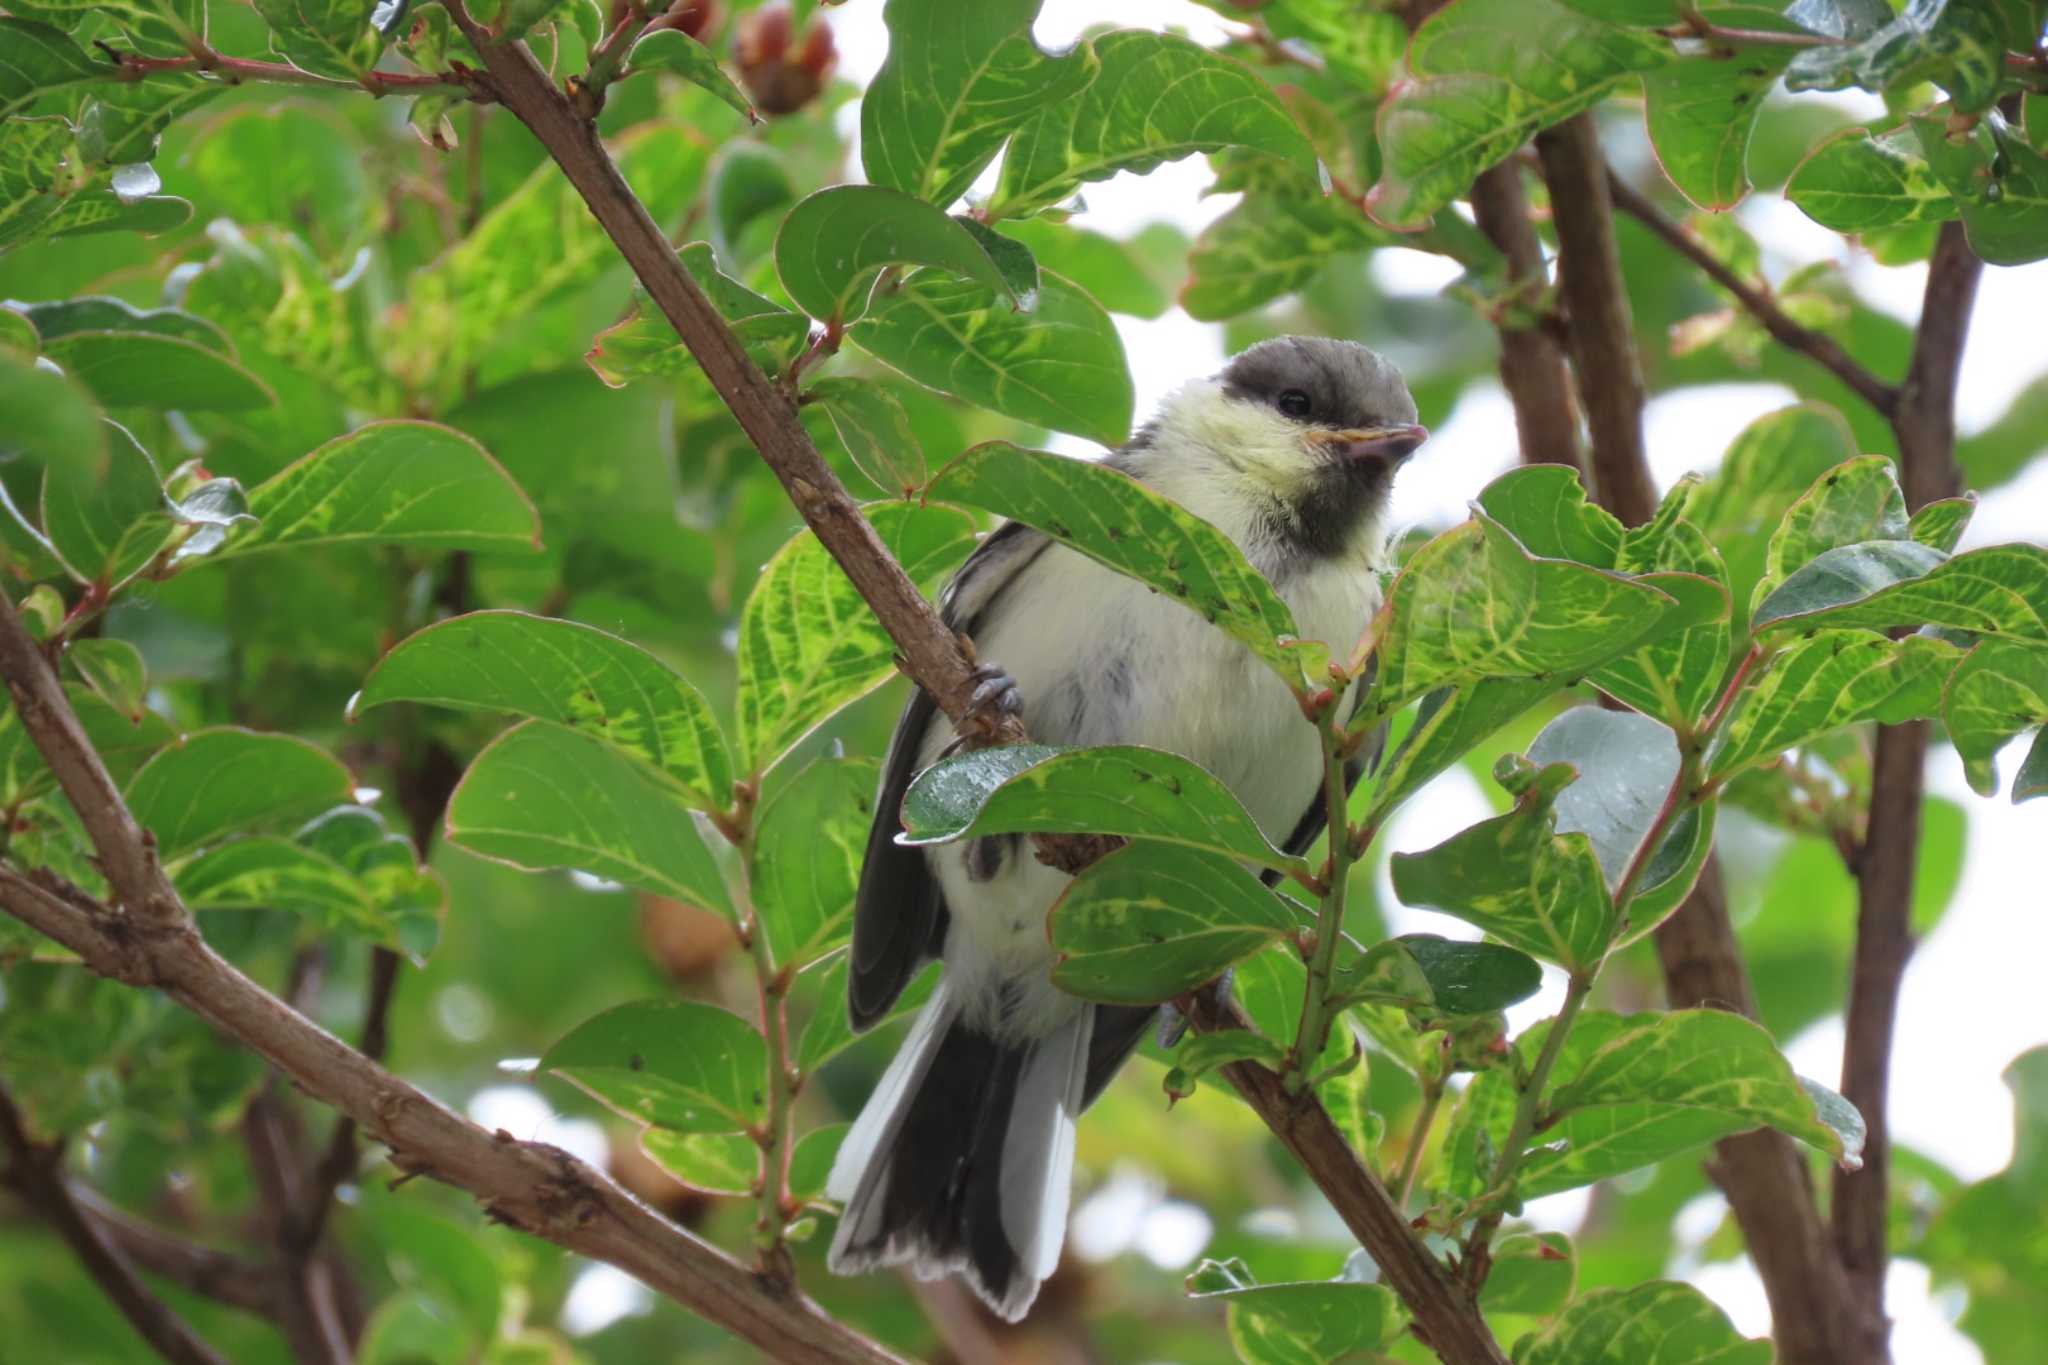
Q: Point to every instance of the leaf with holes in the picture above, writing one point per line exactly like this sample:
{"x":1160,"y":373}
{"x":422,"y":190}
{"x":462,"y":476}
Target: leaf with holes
{"x":808,"y":644}
{"x":1135,"y":792}
{"x":542,"y":797}
{"x":572,"y":675}
{"x":675,"y":1064}
{"x":1151,"y":921}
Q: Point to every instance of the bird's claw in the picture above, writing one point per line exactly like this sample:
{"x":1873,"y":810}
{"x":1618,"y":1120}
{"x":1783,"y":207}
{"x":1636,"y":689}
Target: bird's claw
{"x":995,"y":698}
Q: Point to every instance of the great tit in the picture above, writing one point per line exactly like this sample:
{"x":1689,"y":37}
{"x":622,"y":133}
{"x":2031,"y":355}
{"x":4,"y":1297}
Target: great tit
{"x":962,"y":1159}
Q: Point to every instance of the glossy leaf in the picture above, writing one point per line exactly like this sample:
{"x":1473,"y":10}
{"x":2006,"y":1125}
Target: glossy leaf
{"x":542,"y":797}
{"x":1119,"y":522}
{"x":675,"y":1064}
{"x":1060,"y":366}
{"x":875,"y":430}
{"x":96,"y":313}
{"x":807,"y":856}
{"x":327,"y":37}
{"x":1858,"y":500}
{"x":1958,"y":44}
{"x":40,"y":59}
{"x":1940,"y":524}
{"x":1150,"y":921}
{"x":572,"y":675}
{"x":1861,"y":181}
{"x":1519,"y":880}
{"x":114,"y":669}
{"x":1664,"y":1321}
{"x":1701,"y":110}
{"x":1999,"y":690}
{"x":1494,"y":72}
{"x":1998,"y":590}
{"x":392,"y":483}
{"x":1473,"y":603}
{"x":1626,"y":765}
{"x":1826,"y":681}
{"x":153,"y":370}
{"x":1467,"y":978}
{"x":214,"y":782}
{"x":1299,"y":1323}
{"x":808,"y":644}
{"x":2032,"y":780}
{"x":1158,"y":97}
{"x":1136,"y":792}
{"x":958,"y":80}
{"x":1998,"y":182}
{"x":679,"y":54}
{"x":50,"y":418}
{"x":104,"y":528}
{"x":834,"y":243}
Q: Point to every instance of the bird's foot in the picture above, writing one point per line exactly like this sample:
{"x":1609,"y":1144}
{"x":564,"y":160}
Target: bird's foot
{"x":994,"y":700}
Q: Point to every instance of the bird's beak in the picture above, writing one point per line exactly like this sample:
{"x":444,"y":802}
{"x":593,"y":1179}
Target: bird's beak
{"x":1389,"y":445}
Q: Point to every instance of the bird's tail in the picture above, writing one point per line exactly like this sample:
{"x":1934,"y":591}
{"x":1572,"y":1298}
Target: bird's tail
{"x":963,"y":1159}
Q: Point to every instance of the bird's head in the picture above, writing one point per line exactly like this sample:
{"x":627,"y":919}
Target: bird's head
{"x":1298,"y":437}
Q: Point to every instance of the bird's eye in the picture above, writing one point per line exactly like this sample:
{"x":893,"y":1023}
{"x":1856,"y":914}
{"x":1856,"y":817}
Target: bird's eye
{"x":1295,"y":403}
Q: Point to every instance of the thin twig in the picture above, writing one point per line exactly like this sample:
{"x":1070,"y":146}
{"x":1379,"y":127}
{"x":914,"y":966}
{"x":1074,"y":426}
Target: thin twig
{"x":237,"y":70}
{"x":207,"y":1271}
{"x":1418,"y":1138}
{"x":1884,"y":864}
{"x":1335,"y":876}
{"x":35,"y":1170}
{"x":1818,"y":347}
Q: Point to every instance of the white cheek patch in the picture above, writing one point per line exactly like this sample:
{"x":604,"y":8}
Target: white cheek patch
{"x":1241,"y":440}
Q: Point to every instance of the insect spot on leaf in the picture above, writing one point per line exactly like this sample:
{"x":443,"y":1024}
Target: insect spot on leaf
{"x":636,"y":1063}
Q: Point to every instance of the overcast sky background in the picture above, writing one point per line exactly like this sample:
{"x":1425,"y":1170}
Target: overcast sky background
{"x":1972,"y":998}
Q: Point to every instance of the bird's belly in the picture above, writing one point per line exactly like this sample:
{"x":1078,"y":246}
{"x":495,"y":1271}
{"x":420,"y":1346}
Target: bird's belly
{"x":1100,"y":659}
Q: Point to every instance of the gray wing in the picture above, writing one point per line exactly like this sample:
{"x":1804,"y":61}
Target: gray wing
{"x":899,"y":915}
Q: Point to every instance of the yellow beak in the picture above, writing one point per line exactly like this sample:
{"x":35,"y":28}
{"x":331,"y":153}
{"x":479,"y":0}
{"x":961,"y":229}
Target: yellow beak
{"x":1390,"y":444}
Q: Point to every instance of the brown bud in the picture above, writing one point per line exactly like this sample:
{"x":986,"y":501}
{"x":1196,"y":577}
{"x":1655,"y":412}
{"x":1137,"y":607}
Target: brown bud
{"x":783,"y":79}
{"x":683,"y":939}
{"x":764,"y":36}
{"x":698,"y":18}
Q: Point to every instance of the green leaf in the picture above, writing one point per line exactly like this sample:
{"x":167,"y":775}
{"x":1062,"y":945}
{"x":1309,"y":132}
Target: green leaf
{"x":679,"y":54}
{"x":716,"y":1163}
{"x":1270,"y":244}
{"x":1701,"y":110}
{"x":1150,"y":921}
{"x":1940,"y":524}
{"x":810,"y":1163}
{"x":1495,"y":73}
{"x":1060,"y":366}
{"x":1998,"y":690}
{"x":1999,"y":183}
{"x":114,"y":669}
{"x":97,"y":313}
{"x":1449,"y":723}
{"x":674,"y":1064}
{"x":875,"y":430}
{"x":1860,"y":181}
{"x":1831,"y":679}
{"x":1519,"y":880}
{"x":645,"y":346}
{"x":1856,"y":501}
{"x":828,"y":1033}
{"x":808,"y":644}
{"x":807,"y":856}
{"x":407,"y":900}
{"x":572,"y":675}
{"x":1533,"y":1274}
{"x":1120,"y":523}
{"x":1159,"y":97}
{"x":214,"y":782}
{"x":1301,"y":1323}
{"x":834,"y":243}
{"x":392,"y":483}
{"x":1960,"y":45}
{"x":542,"y":797}
{"x":1664,"y":1321}
{"x":1998,"y":590}
{"x":50,"y":418}
{"x":269,"y":873}
{"x":1128,"y":790}
{"x":1626,"y":764}
{"x":2033,"y":775}
{"x":1121,"y":276}
{"x":1473,"y":603}
{"x":123,"y":744}
{"x":1197,"y":1056}
{"x":106,"y":528}
{"x":958,"y":81}
{"x":327,"y":37}
{"x":123,"y":121}
{"x":1465,"y":978}
{"x":152,"y":370}
{"x":40,"y":59}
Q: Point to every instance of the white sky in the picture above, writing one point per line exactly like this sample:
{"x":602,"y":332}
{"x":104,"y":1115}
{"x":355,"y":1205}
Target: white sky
{"x":1972,"y":998}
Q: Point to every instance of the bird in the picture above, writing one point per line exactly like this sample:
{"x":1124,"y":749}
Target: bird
{"x":961,"y":1161}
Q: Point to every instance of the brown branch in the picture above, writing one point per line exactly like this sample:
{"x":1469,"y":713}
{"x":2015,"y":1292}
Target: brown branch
{"x":308,"y":1310}
{"x":1446,"y":1318}
{"x":1884,"y":864}
{"x":1600,"y":332}
{"x":532,"y":1186}
{"x":1818,"y":347}
{"x":130,"y":69}
{"x":35,"y":1170}
{"x":1532,"y":365}
{"x":193,"y":1266}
